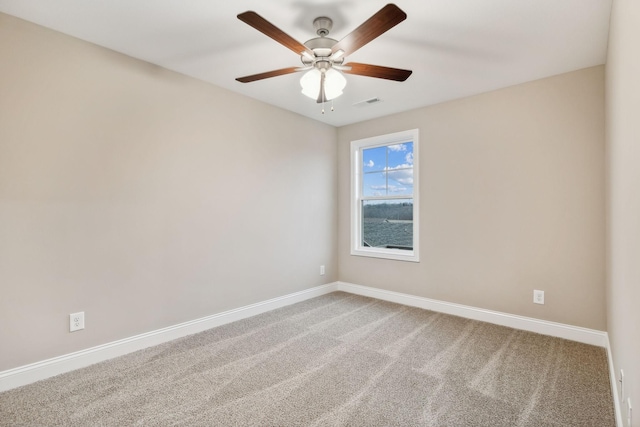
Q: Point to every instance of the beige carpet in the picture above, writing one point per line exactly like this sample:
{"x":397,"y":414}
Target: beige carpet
{"x":335,"y":360}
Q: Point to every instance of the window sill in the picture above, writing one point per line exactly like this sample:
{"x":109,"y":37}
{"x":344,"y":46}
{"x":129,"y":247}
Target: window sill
{"x":387,"y":253}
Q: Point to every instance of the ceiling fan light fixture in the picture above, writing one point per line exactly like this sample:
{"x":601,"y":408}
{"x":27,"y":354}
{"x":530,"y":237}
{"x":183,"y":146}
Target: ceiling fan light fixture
{"x":310,"y":82}
{"x":334,"y":83}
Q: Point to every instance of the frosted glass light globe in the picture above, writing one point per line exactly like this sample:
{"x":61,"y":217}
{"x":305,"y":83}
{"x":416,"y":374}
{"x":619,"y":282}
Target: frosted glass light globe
{"x":334,"y":83}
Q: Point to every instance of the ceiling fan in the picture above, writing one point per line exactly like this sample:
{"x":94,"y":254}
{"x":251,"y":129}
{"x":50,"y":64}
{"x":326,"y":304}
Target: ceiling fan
{"x":323,"y":57}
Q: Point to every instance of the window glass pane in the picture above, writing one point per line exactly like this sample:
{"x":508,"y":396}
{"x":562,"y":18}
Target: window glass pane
{"x":388,"y":224}
{"x":400,"y":167}
{"x":400,"y":182}
{"x":400,"y":155}
{"x":374,"y":184}
{"x":374,"y":159}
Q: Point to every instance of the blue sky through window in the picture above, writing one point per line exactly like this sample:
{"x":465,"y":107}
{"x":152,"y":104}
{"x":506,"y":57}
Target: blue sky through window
{"x":388,"y":170}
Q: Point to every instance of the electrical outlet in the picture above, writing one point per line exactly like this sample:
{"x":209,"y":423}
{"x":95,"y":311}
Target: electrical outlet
{"x":322,"y":270}
{"x":76,"y":321}
{"x":538,"y":297}
{"x":621,"y":381}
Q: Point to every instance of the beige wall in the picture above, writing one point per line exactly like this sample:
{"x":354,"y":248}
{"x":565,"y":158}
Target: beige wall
{"x":511,"y":200}
{"x":145,"y":198}
{"x":623,"y":154}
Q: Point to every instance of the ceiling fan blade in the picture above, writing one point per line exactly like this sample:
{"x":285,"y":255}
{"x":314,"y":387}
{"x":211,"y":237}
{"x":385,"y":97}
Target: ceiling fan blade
{"x":267,"y":28}
{"x":377,"y":71}
{"x":268,"y":74}
{"x":385,"y":19}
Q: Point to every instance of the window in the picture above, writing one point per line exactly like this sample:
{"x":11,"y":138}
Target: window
{"x":384,"y":196}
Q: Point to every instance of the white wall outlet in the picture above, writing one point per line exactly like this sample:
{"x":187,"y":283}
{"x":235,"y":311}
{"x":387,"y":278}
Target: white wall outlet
{"x":538,"y":297}
{"x":76,"y":321}
{"x":621,"y":383}
{"x":322,"y":270}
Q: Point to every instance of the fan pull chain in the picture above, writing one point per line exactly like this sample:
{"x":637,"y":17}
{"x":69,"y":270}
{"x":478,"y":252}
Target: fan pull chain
{"x":332,"y":109}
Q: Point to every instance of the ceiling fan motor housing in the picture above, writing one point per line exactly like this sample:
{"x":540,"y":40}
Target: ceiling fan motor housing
{"x":322,"y":25}
{"x":321,"y":46}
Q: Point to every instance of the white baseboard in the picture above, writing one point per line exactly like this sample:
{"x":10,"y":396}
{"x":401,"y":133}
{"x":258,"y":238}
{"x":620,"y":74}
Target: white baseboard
{"x":573,"y":333}
{"x":47,"y":368}
{"x":614,"y":386}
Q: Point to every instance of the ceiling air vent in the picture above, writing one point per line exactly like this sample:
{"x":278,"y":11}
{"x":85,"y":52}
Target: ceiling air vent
{"x":366,"y":102}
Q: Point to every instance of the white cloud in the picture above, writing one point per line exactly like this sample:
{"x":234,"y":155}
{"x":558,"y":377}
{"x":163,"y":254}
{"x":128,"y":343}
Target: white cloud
{"x":370,"y":164}
{"x":398,"y":147}
{"x":409,"y":158}
{"x":402,"y":174}
{"x":396,"y":189}
{"x":392,"y":189}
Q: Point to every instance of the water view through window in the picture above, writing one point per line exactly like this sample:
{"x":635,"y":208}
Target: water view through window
{"x":388,"y":225}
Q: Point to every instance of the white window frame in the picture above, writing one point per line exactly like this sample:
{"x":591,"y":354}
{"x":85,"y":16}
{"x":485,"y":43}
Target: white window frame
{"x":357,"y":148}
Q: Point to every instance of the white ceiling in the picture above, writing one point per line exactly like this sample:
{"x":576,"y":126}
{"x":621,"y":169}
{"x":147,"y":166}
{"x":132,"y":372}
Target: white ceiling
{"x":455,"y":48}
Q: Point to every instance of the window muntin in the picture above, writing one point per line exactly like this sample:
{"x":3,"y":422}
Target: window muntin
{"x":384,"y":196}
